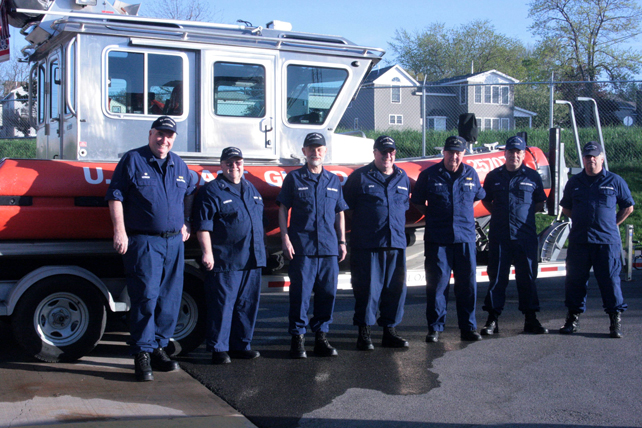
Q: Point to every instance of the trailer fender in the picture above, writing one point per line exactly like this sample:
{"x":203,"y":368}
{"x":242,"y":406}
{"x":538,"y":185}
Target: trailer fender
{"x":46,"y":271}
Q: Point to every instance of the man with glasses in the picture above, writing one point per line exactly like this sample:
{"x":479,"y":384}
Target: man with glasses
{"x":446,"y":193}
{"x":590,"y":200}
{"x":378,"y":195}
{"x":150,"y":202}
{"x":314,"y":243}
{"x":228,"y":218}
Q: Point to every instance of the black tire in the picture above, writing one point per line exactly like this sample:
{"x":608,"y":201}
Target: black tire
{"x":191,"y":325}
{"x":59,"y":319}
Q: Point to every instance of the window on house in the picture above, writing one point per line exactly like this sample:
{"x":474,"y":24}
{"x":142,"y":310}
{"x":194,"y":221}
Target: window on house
{"x":478,"y":94}
{"x":505,"y":123}
{"x":463,"y":91}
{"x":495,"y":91}
{"x":144,"y":83}
{"x":436,"y":123}
{"x":396,"y":119}
{"x":479,"y":124}
{"x":495,"y":126}
{"x":488,"y":124}
{"x":505,"y":95}
{"x":395,"y":91}
{"x":356,"y":123}
{"x":239,"y":89}
{"x":487,"y":94}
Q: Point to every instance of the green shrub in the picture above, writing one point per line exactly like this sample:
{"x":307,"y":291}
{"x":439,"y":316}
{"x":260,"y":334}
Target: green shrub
{"x":19,"y":149}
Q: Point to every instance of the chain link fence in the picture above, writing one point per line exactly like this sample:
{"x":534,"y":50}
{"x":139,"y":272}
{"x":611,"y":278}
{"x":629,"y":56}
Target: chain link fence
{"x":14,"y":119}
{"x":501,"y":110}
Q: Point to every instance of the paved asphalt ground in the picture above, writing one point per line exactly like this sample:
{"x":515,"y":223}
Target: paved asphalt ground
{"x":511,"y":379}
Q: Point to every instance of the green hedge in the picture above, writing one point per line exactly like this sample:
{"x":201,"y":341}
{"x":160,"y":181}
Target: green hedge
{"x":19,"y":149}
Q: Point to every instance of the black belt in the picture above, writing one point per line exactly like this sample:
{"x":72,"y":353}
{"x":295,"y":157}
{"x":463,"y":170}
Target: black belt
{"x":162,"y":235}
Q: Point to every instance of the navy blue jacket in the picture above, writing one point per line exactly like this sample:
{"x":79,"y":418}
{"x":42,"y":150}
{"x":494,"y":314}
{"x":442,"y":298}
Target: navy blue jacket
{"x":235,"y":221}
{"x":379,"y":208}
{"x":514,"y":199}
{"x":594,"y":207}
{"x":151,"y":204}
{"x":314,"y":208}
{"x":450,"y":214}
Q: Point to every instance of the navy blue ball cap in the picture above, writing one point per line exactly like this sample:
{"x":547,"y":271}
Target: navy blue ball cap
{"x":515,"y":143}
{"x":231,"y":152}
{"x":166,"y":123}
{"x":455,"y":144}
{"x":592,"y":148}
{"x":314,"y":139}
{"x":385,"y":143}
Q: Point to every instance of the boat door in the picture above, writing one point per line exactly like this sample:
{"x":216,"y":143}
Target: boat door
{"x":239,"y":103}
{"x":53,"y":105}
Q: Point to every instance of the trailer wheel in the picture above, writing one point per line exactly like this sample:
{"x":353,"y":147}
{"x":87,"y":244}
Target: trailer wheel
{"x":60,"y":318}
{"x":190,"y":327}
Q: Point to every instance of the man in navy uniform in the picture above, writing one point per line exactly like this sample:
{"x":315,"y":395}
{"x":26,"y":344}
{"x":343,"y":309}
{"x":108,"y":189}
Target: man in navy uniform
{"x":378,"y":195}
{"x":150,"y":201}
{"x":590,"y":200}
{"x":314,"y":244}
{"x":514,"y":193}
{"x":446,"y":193}
{"x":228,"y":218}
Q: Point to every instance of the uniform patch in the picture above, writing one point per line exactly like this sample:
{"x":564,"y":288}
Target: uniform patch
{"x":402,"y":188}
{"x":181,"y":179}
{"x":227,"y":202}
{"x":146,"y":175}
{"x":302,"y":188}
{"x":333,"y":189}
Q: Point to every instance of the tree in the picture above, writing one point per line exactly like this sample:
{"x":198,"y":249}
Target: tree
{"x":592,"y":34}
{"x":439,"y":52}
{"x":184,"y":10}
{"x":13,"y":74}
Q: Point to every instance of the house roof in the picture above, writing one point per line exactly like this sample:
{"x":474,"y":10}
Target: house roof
{"x":466,"y":78}
{"x":380,"y":72}
{"x":522,"y":112}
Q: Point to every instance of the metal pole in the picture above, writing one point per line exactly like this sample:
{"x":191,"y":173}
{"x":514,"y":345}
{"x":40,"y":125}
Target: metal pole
{"x":551,"y":101}
{"x":598,"y":126}
{"x":629,"y":252}
{"x":575,"y":132}
{"x":423,"y":120}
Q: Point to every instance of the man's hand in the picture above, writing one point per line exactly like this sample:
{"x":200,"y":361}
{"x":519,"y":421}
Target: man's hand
{"x":186,"y":230}
{"x":121,"y":241}
{"x":286,"y":246}
{"x":208,"y":261}
{"x":342,"y":252}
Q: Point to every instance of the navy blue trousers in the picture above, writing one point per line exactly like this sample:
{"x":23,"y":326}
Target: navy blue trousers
{"x":312,"y":274}
{"x":232,"y":308}
{"x":154,"y":275}
{"x":441,"y":259}
{"x":379,"y":285}
{"x":501,"y":255}
{"x":607,"y":264}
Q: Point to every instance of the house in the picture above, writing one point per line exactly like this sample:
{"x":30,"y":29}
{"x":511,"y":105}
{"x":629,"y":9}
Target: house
{"x":14,"y":115}
{"x":392,"y":99}
{"x":386,"y":100}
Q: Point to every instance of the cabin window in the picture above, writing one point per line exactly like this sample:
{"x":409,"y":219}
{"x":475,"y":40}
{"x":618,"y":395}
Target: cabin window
{"x":145,"y":83}
{"x":41,"y":94}
{"x":239,"y":89}
{"x":311,"y":93}
{"x":72,"y":78}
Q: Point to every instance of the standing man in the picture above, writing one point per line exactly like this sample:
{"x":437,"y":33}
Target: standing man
{"x":589,"y":200}
{"x":314,"y":244}
{"x":150,"y":201}
{"x":378,"y":195}
{"x":446,"y":193}
{"x":514,"y":193}
{"x":228,"y":218}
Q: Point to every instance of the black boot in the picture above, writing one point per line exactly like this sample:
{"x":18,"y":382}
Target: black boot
{"x":616,"y":325}
{"x":432,"y":336}
{"x":297,"y":346}
{"x":469,"y":336}
{"x":491,"y":326}
{"x":364,"y":342}
{"x":572,"y":323}
{"x":532,"y":325}
{"x":322,"y":347}
{"x":160,"y":361}
{"x":142,"y":367}
{"x":392,"y":340}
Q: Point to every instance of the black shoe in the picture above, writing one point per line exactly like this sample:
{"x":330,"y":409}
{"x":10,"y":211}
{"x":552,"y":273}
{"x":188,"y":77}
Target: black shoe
{"x":491,"y":326}
{"x":532,"y":325}
{"x":297,"y":347}
{"x":432,"y":336}
{"x":322,"y":347}
{"x":220,"y":357}
{"x":572,"y":323}
{"x":470,"y":336}
{"x":244,"y":355}
{"x":160,"y":361}
{"x":615,"y":329}
{"x":392,"y":340}
{"x":364,"y":342}
{"x":142,"y":367}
